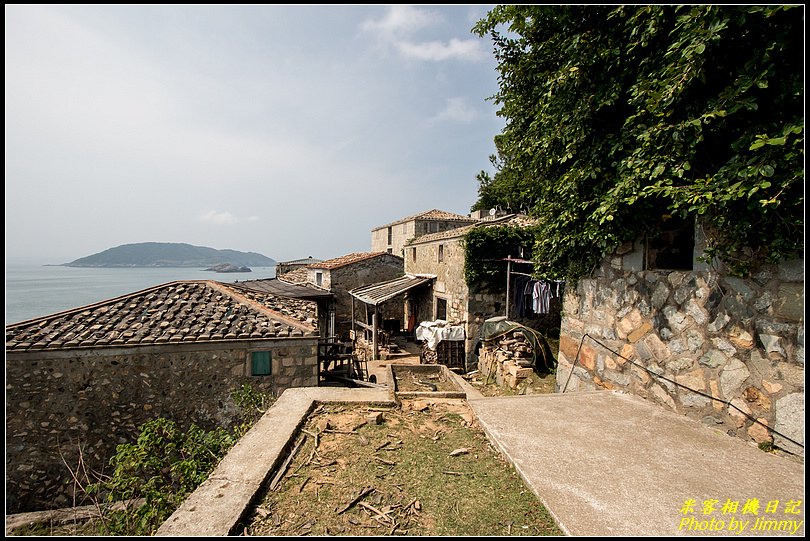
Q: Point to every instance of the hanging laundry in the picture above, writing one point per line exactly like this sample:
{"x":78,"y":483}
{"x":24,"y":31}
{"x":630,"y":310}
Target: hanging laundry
{"x":541,"y":298}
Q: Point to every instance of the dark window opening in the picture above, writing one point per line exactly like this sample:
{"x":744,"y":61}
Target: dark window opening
{"x":390,"y":250}
{"x":260,"y":363}
{"x":318,"y":278}
{"x":390,"y":235}
{"x":673,"y":248}
{"x":413,"y":254}
{"x":441,"y":308}
{"x":441,"y":252}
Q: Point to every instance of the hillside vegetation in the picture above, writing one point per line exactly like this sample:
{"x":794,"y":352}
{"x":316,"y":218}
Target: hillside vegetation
{"x":170,"y":254}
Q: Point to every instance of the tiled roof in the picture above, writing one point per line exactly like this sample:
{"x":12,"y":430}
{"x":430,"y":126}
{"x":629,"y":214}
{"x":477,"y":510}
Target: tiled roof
{"x":435,"y":214}
{"x":349,"y":259}
{"x":297,"y":276}
{"x":177,"y":312}
{"x":518,"y":220}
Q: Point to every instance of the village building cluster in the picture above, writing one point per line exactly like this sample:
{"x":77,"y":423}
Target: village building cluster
{"x":652,"y":321}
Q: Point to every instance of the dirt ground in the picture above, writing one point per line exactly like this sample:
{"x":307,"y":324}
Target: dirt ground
{"x":412,"y":381}
{"x":425,"y":469}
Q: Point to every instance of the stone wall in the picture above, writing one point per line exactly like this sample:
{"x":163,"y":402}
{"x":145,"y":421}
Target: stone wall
{"x":732,"y":339}
{"x":367,"y":271}
{"x":57,"y":401}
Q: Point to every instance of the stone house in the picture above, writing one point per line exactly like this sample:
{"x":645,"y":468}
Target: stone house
{"x":717,"y":339}
{"x":450,"y":298}
{"x":392,"y":237}
{"x":342,"y":274}
{"x":88,"y":377}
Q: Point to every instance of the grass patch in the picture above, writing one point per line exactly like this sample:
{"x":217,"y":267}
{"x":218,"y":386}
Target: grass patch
{"x":425,"y":468}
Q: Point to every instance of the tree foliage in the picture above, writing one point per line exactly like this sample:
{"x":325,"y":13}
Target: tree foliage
{"x":616,"y":115}
{"x":485,"y":246}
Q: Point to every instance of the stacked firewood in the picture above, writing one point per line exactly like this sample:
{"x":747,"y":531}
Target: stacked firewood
{"x":512,"y":346}
{"x":506,"y":359}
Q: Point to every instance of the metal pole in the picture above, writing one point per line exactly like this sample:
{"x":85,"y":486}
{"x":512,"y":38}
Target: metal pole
{"x":374,"y":334}
{"x":354,"y":333}
{"x":508,"y":275}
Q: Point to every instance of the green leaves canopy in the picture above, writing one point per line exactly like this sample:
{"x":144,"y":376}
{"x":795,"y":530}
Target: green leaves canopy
{"x":617,"y":115}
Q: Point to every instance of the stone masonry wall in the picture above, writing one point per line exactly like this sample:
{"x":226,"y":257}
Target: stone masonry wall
{"x":96,"y":399}
{"x":368,"y":271}
{"x":736,"y":340}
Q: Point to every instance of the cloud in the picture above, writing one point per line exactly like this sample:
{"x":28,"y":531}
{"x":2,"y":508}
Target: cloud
{"x":400,"y":23}
{"x":465,"y":49}
{"x":253,"y":218}
{"x":401,"y":20}
{"x":456,"y":110}
{"x":219,"y":218}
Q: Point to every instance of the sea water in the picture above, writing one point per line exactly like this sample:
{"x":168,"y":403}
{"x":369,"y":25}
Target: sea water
{"x":35,"y":290}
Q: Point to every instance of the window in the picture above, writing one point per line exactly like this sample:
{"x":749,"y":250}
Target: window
{"x":261,"y":363}
{"x":413,"y":254}
{"x":441,"y":252}
{"x":390,"y":235}
{"x":390,"y":250}
{"x":318,"y":278}
{"x":433,"y":227}
{"x":673,"y":248}
{"x":441,"y":308}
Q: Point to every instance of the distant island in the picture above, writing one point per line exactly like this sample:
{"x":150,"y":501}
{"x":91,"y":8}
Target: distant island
{"x":171,"y":254}
{"x":228,"y":267}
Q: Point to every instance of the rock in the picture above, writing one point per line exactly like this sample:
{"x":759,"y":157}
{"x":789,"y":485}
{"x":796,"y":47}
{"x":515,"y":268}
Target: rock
{"x":724,"y":345}
{"x":763,"y":302}
{"x":772,"y":345}
{"x":741,"y":338}
{"x":756,"y":397}
{"x":759,"y":433}
{"x":741,"y":287}
{"x":694,"y":380}
{"x":660,"y":295}
{"x":698,"y":313}
{"x":375,"y":418}
{"x":713,"y":359}
{"x":772,"y":388}
{"x":790,"y":422}
{"x":792,"y":270}
{"x":459,"y":451}
{"x":690,"y":400}
{"x":789,"y":302}
{"x":661,"y":396}
{"x":732,"y":378}
{"x":716,"y":404}
{"x":675,"y":319}
{"x":639,"y":332}
{"x":681,"y":363}
{"x":738,"y":416}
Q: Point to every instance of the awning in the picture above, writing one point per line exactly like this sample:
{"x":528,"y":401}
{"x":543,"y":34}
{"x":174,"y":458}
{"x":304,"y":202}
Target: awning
{"x":380,"y":292}
{"x":281,"y":288}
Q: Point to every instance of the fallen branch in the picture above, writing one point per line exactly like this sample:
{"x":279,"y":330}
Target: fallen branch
{"x":376,"y":511}
{"x":453,"y":472}
{"x":363,"y":493}
{"x":283,"y":469}
{"x":386,"y":462}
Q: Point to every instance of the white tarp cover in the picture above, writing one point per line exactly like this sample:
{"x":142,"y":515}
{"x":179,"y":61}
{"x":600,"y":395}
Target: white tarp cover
{"x":434,"y":332}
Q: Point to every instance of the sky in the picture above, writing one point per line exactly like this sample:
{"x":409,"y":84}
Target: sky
{"x":289,"y":131}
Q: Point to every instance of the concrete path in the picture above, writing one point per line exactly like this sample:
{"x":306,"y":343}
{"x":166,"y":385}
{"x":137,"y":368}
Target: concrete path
{"x":612,"y":464}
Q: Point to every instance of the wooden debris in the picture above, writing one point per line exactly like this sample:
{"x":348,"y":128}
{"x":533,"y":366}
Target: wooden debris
{"x":386,"y":444}
{"x":386,"y":462}
{"x":302,"y":485}
{"x":283,"y":469}
{"x":448,"y":472}
{"x":459,"y":451}
{"x":375,"y":418}
{"x":363,"y":493}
